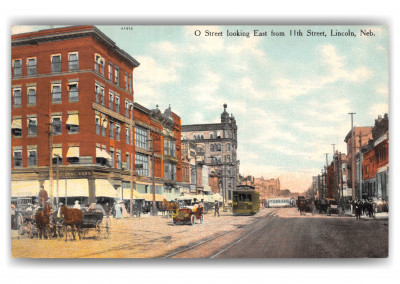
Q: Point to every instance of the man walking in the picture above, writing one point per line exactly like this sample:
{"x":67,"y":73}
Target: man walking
{"x":216,"y":208}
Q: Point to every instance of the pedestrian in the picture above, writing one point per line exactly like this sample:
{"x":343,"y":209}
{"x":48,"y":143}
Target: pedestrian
{"x":77,"y":205}
{"x":12,"y":215}
{"x":358,"y":209}
{"x":107,"y":209}
{"x":216,"y":208}
{"x":118,"y":211}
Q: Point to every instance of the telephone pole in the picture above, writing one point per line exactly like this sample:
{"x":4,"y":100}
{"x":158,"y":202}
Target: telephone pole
{"x":326,"y":175}
{"x":353,"y":160}
{"x":154,"y":213}
{"x":334,"y":172}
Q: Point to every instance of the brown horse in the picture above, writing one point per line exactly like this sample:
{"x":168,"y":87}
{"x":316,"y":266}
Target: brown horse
{"x":42,"y":219}
{"x":73,"y":218}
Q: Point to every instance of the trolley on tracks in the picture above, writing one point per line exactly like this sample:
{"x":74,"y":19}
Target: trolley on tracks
{"x":246,"y":201}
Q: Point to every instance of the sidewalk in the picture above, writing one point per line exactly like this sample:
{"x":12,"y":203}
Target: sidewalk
{"x":383,"y":215}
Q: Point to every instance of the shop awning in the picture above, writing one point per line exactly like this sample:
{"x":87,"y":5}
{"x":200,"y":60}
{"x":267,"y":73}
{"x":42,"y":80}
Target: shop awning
{"x":73,"y":119}
{"x":136,"y":195}
{"x":57,"y":151}
{"x":102,"y":154}
{"x":73,"y":152}
{"x":218,"y":197}
{"x":25,"y":188}
{"x":75,"y":187}
{"x":104,"y":188}
{"x":16,"y":123}
{"x":149,"y":197}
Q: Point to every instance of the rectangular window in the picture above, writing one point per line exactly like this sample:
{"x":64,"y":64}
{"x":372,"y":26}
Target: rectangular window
{"x":103,"y":127}
{"x":128,"y":162}
{"x":16,"y":127}
{"x":111,"y":101}
{"x":73,"y":61}
{"x":55,"y":63}
{"x":116,"y":75}
{"x":32,"y":158}
{"x":110,"y":71}
{"x":117,"y":104}
{"x":97,"y":121}
{"x":126,"y":109}
{"x":166,"y":147}
{"x":56,"y":124}
{"x":130,"y":83}
{"x":119,"y":161}
{"x":56,"y":93}
{"x":111,"y":130}
{"x":31,"y":66}
{"x":32,"y":126}
{"x":228,"y":158}
{"x":112,"y":158}
{"x":57,"y":155}
{"x":31,"y":96}
{"x":17,"y":98}
{"x":117,"y":132}
{"x":17,"y":158}
{"x":73,"y":123}
{"x":127,"y":136}
{"x":126,"y":81}
{"x":141,"y":137}
{"x":17,"y":67}
{"x":73,"y":93}
{"x":142,"y":163}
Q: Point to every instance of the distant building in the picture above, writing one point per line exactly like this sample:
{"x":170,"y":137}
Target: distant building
{"x":217,"y":144}
{"x":267,"y":187}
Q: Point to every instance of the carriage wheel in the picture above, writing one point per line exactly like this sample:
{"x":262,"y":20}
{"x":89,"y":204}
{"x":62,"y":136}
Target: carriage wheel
{"x":20,"y":222}
{"x":192,"y":220}
{"x":202,"y":219}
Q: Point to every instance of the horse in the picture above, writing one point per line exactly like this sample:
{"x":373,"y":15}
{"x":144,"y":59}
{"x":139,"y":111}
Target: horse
{"x":73,"y":218}
{"x":42,"y":219}
{"x":302,"y":208}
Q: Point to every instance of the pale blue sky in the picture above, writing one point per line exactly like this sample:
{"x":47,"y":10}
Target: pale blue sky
{"x":290,"y":95}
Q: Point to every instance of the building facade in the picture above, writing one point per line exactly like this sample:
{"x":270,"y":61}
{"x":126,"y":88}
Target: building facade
{"x":75,"y":127}
{"x":267,"y":187}
{"x":217,"y":144}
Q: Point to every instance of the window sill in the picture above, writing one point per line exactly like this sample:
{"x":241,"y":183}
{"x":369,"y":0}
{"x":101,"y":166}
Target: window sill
{"x":71,"y":102}
{"x":32,"y":136}
{"x":56,"y":103}
{"x":72,"y":133}
{"x":31,"y":105}
{"x":17,"y":106}
{"x":17,"y":136}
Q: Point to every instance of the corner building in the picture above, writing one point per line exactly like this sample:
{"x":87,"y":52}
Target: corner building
{"x":75,"y":127}
{"x":217,"y":144}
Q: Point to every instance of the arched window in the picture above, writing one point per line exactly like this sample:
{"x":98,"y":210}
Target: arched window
{"x":194,"y":137}
{"x":202,"y":136}
{"x":211,"y":136}
{"x":212,"y":147}
{"x":228,"y":147}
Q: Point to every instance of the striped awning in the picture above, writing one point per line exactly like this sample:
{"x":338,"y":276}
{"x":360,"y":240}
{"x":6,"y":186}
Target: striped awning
{"x":25,"y":188}
{"x":73,"y":119}
{"x":102,"y":154}
{"x":73,"y":152}
{"x":57,"y":151}
{"x":16,"y":123}
{"x":136,"y":195}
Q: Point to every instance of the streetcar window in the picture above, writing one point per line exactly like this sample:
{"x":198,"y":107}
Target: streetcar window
{"x":235,"y":198}
{"x":248,"y":197}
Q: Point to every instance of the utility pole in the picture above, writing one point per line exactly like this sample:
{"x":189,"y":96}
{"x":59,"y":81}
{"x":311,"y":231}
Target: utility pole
{"x":154,"y":213}
{"x":51,"y":160}
{"x":334,"y":172}
{"x":326,"y":175}
{"x":353,"y":160}
{"x":58,"y":177}
{"x":132,"y":162}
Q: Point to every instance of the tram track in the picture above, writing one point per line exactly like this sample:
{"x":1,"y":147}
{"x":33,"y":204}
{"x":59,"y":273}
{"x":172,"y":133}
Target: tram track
{"x":180,"y":253}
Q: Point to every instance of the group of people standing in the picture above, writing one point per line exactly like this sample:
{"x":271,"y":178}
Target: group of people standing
{"x":368,"y":207}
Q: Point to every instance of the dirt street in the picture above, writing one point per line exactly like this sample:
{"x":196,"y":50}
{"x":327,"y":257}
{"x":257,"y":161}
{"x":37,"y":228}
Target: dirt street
{"x":270,"y":233}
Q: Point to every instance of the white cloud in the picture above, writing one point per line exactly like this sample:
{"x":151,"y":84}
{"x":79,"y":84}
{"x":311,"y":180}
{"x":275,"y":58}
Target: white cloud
{"x":151,"y":72}
{"x":378,"y":109}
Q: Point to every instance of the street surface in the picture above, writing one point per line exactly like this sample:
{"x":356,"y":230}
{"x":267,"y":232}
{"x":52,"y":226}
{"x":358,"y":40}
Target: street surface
{"x":272,"y":233}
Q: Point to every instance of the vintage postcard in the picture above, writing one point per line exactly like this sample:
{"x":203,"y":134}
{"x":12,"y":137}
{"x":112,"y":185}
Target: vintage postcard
{"x":199,"y":141}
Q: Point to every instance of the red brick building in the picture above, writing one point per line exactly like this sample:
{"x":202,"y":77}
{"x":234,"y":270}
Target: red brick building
{"x":74,"y":119}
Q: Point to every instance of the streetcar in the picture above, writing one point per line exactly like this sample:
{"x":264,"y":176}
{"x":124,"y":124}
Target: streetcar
{"x":246,"y":201}
{"x":278,"y":202}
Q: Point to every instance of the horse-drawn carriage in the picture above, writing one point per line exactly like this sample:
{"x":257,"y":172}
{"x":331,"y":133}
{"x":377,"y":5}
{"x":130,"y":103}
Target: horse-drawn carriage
{"x":189,"y":214}
{"x":83,"y":222}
